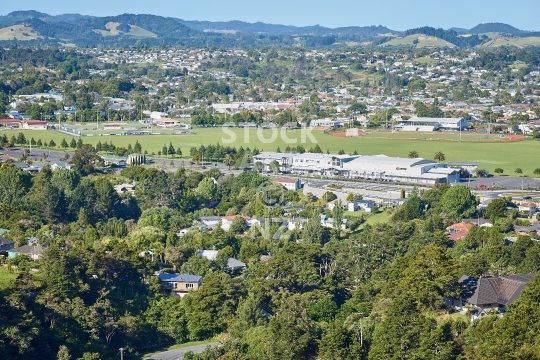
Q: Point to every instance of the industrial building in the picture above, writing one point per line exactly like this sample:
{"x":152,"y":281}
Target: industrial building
{"x":378,"y":167}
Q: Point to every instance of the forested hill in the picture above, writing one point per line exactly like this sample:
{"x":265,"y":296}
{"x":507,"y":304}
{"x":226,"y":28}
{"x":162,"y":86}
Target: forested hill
{"x":259,"y":27}
{"x":450,"y":35}
{"x":497,"y":28}
{"x":33,"y":27}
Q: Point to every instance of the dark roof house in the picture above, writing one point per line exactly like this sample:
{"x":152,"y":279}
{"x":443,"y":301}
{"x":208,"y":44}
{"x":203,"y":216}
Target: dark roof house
{"x":6,"y":244}
{"x":493,"y":291}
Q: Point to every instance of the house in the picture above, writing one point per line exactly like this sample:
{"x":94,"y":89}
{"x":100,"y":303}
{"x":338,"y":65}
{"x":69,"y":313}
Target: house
{"x":459,"y":231}
{"x":296,"y":224}
{"x":479,"y":222}
{"x":365,"y":205}
{"x":209,"y":221}
{"x":180,"y":284}
{"x":125,"y":188}
{"x":233,"y":265}
{"x":329,"y":222}
{"x":490,"y":293}
{"x":289,"y":184}
{"x":529,"y":207}
{"x":60,"y":165}
{"x":227,"y":221}
{"x":33,"y":252}
{"x":6,"y":244}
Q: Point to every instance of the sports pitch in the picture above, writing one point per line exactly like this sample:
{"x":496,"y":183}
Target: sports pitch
{"x":489,"y":155}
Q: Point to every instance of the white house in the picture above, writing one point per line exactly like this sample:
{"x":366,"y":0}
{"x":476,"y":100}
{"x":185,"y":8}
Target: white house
{"x":289,"y":184}
{"x":529,"y":206}
{"x":365,"y":205}
{"x":329,"y":222}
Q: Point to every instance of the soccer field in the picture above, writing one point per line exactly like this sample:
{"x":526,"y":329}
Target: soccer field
{"x":489,"y":155}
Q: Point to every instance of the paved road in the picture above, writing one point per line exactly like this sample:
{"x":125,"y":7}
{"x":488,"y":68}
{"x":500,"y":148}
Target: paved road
{"x":179,"y":353}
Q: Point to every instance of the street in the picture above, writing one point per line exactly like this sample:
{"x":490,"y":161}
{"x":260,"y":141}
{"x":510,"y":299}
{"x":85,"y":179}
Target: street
{"x":179,"y":353}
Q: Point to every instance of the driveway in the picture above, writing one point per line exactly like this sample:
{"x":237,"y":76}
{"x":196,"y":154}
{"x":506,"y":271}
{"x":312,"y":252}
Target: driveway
{"x":179,"y":353}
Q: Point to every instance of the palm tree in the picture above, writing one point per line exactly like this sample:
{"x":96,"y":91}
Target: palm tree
{"x":439,"y":156}
{"x":413,"y":154}
{"x":228,"y":161}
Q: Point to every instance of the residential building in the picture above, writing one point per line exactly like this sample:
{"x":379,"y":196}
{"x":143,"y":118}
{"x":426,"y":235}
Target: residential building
{"x":6,"y":244}
{"x":489,"y":293}
{"x":125,"y":188}
{"x":180,"y":284}
{"x":364,"y":205}
{"x":60,"y":165}
{"x":329,"y":222}
{"x":459,"y":231}
{"x":33,"y":252}
{"x":289,"y":184}
{"x":529,"y":207}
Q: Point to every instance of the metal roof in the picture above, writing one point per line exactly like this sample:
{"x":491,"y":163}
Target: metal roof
{"x":179,"y":278}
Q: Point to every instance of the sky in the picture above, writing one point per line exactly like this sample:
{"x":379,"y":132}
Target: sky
{"x":395,"y":14}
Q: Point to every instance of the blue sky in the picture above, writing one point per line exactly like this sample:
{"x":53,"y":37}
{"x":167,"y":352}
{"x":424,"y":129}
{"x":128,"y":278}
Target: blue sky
{"x":396,"y":14}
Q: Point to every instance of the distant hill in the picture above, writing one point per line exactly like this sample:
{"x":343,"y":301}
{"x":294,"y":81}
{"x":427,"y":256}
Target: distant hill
{"x":496,"y":28}
{"x":418,"y":41}
{"x":449,"y":36}
{"x":34,"y":27}
{"x":264,"y":28}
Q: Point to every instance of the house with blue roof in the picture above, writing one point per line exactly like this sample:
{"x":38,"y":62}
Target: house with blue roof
{"x":180,"y":284}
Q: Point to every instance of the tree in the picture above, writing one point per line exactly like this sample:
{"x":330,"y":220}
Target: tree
{"x":413,"y":154}
{"x":85,"y":158}
{"x":439,"y":156}
{"x":64,"y":144}
{"x":258,"y":166}
{"x":171,"y":150}
{"x":137,"y":148}
{"x":291,"y":333}
{"x":274,"y":166}
{"x":431,"y":276}
{"x":458,"y":202}
{"x":228,"y":161}
{"x":497,"y":209}
{"x":518,"y":171}
{"x":73,"y":144}
{"x":337,"y":215}
{"x":207,"y":189}
{"x":52,"y":143}
{"x":499,"y":171}
{"x":412,"y":208}
{"x":314,"y":232}
{"x":536,"y":171}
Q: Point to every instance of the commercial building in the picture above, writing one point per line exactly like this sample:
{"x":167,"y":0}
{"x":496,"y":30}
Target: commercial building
{"x":433,"y":124}
{"x":378,"y":167}
{"x":24,"y":124}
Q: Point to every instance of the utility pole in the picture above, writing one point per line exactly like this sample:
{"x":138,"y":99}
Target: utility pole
{"x":122,"y":353}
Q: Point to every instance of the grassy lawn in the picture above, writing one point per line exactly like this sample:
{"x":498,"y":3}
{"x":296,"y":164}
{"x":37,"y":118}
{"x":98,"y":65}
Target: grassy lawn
{"x":506,"y":155}
{"x":378,"y":217}
{"x":6,"y":278}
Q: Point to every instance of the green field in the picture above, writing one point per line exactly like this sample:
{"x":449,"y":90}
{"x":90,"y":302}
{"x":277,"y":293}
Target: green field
{"x":489,"y":155}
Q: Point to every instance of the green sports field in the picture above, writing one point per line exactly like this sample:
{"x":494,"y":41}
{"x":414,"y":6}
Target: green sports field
{"x":489,"y":155}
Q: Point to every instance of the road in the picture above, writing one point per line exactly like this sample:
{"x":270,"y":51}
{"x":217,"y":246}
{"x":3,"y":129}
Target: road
{"x":179,"y":353}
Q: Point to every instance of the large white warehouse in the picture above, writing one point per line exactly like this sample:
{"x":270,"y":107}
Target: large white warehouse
{"x":379,"y":167}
